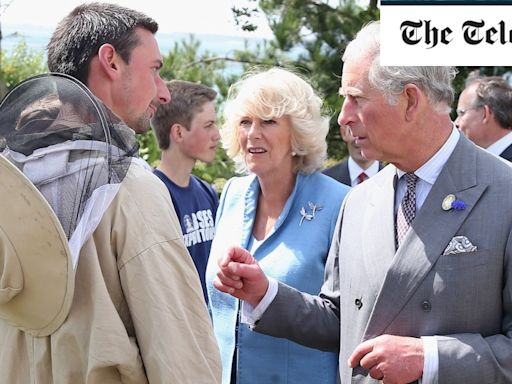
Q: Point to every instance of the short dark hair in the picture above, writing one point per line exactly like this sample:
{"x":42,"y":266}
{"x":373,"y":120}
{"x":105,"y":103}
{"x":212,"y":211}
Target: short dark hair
{"x":78,"y":37}
{"x":496,"y":93}
{"x":187,"y":98}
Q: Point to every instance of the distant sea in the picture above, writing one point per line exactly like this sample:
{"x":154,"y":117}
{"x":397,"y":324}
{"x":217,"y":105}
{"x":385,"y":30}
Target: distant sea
{"x":37,"y":38}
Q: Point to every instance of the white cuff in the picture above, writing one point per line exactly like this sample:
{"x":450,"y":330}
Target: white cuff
{"x":431,"y":360}
{"x":251,"y":315}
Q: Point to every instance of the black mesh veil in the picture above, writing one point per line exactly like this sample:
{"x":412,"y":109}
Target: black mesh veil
{"x":66,"y":141}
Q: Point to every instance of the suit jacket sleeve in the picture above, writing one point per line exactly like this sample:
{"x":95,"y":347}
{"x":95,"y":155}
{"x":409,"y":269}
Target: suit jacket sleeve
{"x":312,"y":321}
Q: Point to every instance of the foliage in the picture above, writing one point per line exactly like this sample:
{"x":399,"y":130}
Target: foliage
{"x":22,"y":63}
{"x":148,"y":148}
{"x":216,"y":173}
{"x":186,"y":61}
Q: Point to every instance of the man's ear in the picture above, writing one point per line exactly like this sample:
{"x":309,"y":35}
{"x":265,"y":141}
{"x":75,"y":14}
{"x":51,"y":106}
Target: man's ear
{"x":413,"y":96}
{"x":176,"y":133}
{"x":488,"y":114}
{"x":108,"y":59}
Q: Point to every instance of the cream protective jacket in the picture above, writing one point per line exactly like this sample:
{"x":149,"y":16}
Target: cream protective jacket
{"x":138,"y":313}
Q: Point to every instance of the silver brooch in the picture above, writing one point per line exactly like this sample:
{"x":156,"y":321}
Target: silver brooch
{"x":451,"y":202}
{"x":447,"y":202}
{"x":309,"y":215}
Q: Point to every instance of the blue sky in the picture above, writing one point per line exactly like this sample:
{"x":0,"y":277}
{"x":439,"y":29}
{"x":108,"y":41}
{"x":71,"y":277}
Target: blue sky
{"x":191,"y":16}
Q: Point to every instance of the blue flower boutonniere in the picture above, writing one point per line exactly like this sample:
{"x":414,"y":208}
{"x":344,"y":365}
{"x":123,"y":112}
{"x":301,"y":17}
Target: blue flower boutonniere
{"x":459,"y":205}
{"x":451,"y":202}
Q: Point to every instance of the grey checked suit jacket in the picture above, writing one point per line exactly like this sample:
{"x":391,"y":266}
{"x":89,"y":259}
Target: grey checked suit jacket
{"x":464,"y":298}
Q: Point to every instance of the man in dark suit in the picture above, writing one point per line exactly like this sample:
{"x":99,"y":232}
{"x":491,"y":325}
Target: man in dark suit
{"x":484,"y":114}
{"x":355,"y":168}
{"x":418,"y":280}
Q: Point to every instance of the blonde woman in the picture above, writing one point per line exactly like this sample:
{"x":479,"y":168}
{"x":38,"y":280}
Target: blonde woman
{"x":284,"y":212}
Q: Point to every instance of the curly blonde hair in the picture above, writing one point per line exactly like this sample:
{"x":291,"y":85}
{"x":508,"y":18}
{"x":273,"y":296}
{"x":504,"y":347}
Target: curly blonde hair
{"x":271,"y":94}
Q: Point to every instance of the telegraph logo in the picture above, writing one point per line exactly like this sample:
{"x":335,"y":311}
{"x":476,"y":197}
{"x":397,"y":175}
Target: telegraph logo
{"x":448,"y":32}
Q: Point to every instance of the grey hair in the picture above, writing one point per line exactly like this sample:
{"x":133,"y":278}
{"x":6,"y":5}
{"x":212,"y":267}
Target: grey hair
{"x":496,"y":93}
{"x":436,"y":81}
{"x":277,"y":93}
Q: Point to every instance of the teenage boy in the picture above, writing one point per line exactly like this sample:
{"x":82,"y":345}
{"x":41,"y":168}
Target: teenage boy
{"x":186,"y":131}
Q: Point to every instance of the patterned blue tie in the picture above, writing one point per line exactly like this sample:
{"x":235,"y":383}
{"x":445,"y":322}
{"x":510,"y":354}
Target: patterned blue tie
{"x":407,"y":208}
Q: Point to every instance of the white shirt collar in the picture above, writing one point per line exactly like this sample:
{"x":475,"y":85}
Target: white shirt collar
{"x":355,"y":170}
{"x":432,"y":168}
{"x":500,"y":145}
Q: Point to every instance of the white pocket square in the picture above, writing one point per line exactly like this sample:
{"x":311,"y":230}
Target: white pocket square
{"x":459,"y":244}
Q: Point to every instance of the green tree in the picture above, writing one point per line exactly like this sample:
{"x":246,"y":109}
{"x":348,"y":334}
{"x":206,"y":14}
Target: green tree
{"x":20,"y":64}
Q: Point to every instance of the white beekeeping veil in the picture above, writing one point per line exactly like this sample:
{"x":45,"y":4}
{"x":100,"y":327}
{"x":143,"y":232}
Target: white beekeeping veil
{"x":70,"y":146}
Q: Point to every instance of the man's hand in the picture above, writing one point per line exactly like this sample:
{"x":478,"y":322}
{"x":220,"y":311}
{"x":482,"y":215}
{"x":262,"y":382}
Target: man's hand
{"x":392,"y":359}
{"x":240,"y":275}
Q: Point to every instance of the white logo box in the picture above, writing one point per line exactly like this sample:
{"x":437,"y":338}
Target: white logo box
{"x":458,"y":33}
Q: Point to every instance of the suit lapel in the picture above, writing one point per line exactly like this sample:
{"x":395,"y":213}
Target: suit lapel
{"x":379,"y":251}
{"x":507,"y":153}
{"x":344,"y":175}
{"x":431,"y":232}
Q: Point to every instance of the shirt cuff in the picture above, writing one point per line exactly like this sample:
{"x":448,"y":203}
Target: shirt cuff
{"x":252,"y":315}
{"x":431,"y":360}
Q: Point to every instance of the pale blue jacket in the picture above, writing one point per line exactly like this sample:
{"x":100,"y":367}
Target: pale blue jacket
{"x":295,"y":253}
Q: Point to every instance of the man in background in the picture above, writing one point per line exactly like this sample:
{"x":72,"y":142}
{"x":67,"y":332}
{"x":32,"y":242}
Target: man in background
{"x":186,"y":131}
{"x":484,"y":114}
{"x":138,"y":313}
{"x":355,"y":168}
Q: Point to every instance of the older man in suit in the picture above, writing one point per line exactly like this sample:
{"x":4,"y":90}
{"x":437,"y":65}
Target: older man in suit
{"x":484,"y":114}
{"x":418,"y":279}
{"x":355,"y":168}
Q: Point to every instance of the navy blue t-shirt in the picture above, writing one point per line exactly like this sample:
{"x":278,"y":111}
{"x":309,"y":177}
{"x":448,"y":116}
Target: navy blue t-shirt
{"x":196,"y":207}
